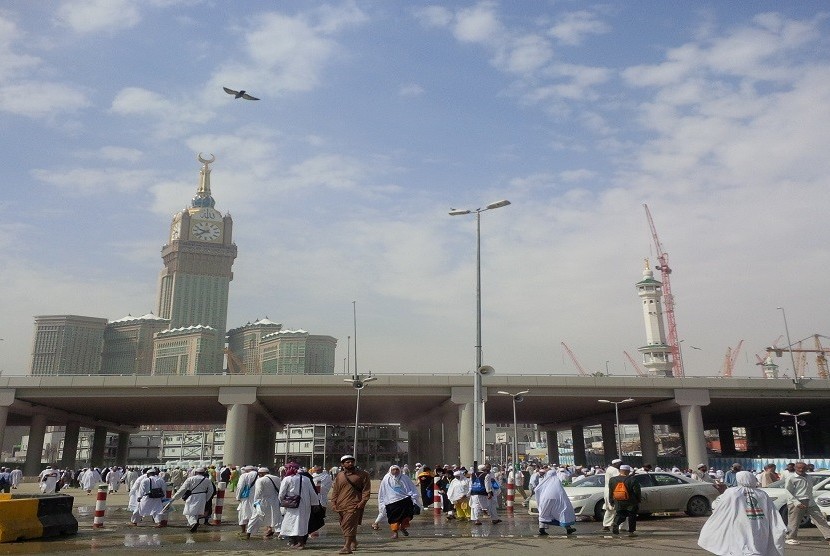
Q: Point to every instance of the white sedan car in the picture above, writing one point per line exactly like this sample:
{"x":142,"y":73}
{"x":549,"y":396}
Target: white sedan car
{"x":662,"y":492}
{"x":821,"y":490}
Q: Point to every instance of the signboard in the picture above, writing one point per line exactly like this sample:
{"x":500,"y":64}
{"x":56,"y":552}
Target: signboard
{"x":501,"y":438}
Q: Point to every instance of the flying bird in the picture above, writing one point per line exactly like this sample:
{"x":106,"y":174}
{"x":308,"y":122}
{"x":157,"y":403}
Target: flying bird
{"x":239,"y":94}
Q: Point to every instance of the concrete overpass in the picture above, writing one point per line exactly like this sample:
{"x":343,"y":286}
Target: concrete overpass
{"x":435,"y":409}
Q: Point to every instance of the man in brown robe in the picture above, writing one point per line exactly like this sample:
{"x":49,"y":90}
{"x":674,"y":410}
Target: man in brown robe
{"x":349,"y":495}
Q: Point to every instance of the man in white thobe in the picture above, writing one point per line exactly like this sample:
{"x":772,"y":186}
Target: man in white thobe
{"x":148,"y":506}
{"x":114,"y":479}
{"x":201,"y":490}
{"x":295,"y":521}
{"x":322,"y":482}
{"x":266,"y":504}
{"x":612,"y":471}
{"x":90,"y":479}
{"x":245,"y":495}
{"x":17,"y":477}
{"x":48,"y":479}
{"x":130,"y":477}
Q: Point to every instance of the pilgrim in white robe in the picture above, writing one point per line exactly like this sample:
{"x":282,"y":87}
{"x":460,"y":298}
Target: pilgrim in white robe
{"x":266,"y":505}
{"x":295,"y":520}
{"x":16,"y":477}
{"x":246,"y":505}
{"x":553,"y":503}
{"x":114,"y":479}
{"x":132,"y":504}
{"x":201,"y":489}
{"x":48,"y":480}
{"x":323,"y":481}
{"x":150,"y":506}
{"x":90,"y":479}
{"x":744,"y":522}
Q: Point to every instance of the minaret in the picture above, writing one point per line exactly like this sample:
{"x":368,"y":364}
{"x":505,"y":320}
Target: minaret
{"x":656,"y":352}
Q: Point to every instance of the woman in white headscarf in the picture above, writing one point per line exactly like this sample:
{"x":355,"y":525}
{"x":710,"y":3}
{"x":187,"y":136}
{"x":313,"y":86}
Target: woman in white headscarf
{"x":744,"y":522}
{"x":398,"y":495}
{"x":554,"y":506}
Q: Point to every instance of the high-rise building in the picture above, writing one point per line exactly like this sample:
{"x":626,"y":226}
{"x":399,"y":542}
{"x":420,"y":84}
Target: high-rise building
{"x":656,"y":352}
{"x":67,"y":345}
{"x":244,"y":356}
{"x":296,"y":352}
{"x":189,"y":350}
{"x":194,"y":284}
{"x":128,"y":344}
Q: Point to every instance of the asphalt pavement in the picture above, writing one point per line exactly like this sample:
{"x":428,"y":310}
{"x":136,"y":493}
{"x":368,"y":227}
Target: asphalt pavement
{"x":657,"y":535}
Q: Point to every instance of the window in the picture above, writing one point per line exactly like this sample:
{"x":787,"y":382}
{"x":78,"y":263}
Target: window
{"x":667,"y":480}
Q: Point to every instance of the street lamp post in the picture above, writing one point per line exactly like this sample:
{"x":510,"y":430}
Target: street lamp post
{"x":795,"y":417}
{"x":789,"y":344}
{"x":358,"y":383}
{"x":477,"y":409}
{"x":517,"y":398}
{"x":617,"y":415}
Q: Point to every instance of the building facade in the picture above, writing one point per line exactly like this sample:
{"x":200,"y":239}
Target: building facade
{"x":292,"y":352}
{"x":128,"y":344}
{"x":67,"y":345}
{"x":244,"y":353}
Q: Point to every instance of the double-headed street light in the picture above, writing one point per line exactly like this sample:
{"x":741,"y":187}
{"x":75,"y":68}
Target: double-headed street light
{"x":517,"y":397}
{"x":795,"y":417}
{"x":358,"y":383}
{"x":617,"y":415}
{"x":477,"y":404}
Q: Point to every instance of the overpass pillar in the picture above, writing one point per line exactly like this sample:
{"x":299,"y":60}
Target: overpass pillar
{"x":251,"y":449}
{"x":690,"y":402}
{"x":551,"y":439}
{"x":6,"y":399}
{"x":34,"y":451}
{"x":463,"y":397}
{"x":70,"y":445}
{"x":578,"y":444}
{"x":609,"y":441}
{"x":123,"y":453}
{"x":450,"y":444}
{"x":238,"y":400}
{"x":99,"y":446}
{"x":727,"y":441}
{"x":413,"y":454}
{"x":645,"y":426}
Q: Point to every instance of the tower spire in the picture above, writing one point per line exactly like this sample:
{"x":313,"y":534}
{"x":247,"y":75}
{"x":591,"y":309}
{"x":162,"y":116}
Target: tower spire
{"x":203,"y":197}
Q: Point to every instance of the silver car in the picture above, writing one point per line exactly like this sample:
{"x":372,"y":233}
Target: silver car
{"x":662,"y":492}
{"x":821,"y":491}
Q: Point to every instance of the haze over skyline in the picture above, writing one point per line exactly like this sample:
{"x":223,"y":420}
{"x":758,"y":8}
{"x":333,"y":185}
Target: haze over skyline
{"x":375,"y":119}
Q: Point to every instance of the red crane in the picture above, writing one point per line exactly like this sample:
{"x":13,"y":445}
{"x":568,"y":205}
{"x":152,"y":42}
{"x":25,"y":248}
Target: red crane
{"x":573,"y":358}
{"x":637,"y":367}
{"x":668,"y":299}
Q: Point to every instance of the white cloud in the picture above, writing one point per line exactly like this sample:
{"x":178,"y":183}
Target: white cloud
{"x":478,"y":24}
{"x":410,"y":90}
{"x":89,"y":181}
{"x":38,"y":99}
{"x":573,"y":27}
{"x":92,"y":16}
{"x":434,"y":16}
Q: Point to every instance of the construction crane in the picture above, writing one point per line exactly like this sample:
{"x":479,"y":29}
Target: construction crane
{"x":637,"y":367}
{"x":573,"y":358}
{"x":729,"y":360}
{"x":668,"y":299}
{"x":801,"y":355}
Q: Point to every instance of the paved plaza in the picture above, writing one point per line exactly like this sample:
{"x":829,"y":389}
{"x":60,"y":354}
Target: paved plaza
{"x":663,"y":534}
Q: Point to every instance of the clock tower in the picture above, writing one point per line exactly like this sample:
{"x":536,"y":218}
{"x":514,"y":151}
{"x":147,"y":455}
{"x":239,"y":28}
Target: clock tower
{"x":198,"y":256}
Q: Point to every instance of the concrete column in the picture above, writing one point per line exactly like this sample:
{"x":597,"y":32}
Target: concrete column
{"x":451,"y":453}
{"x":413,"y":456}
{"x":123,"y":453}
{"x":690,"y":402}
{"x":70,"y":445}
{"x":578,"y":436}
{"x":465,"y":436}
{"x":609,"y":441}
{"x":99,"y":447}
{"x":727,"y":441}
{"x":236,"y":425}
{"x":250,"y":438}
{"x":6,"y":399}
{"x":34,"y":452}
{"x":238,"y":400}
{"x":552,"y":442}
{"x":645,"y":426}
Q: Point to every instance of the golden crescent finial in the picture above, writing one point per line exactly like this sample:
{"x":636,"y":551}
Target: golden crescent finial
{"x":204,"y":161}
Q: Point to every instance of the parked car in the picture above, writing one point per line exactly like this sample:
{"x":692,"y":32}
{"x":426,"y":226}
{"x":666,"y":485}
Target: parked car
{"x":821,"y":489}
{"x":662,"y":492}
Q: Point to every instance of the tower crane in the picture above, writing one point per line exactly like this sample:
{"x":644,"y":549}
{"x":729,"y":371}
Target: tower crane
{"x":640,"y":371}
{"x":668,"y":299}
{"x":820,"y":351}
{"x":573,"y":358}
{"x":729,"y":360}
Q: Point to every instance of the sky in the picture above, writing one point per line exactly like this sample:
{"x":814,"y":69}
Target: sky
{"x":378,"y":117}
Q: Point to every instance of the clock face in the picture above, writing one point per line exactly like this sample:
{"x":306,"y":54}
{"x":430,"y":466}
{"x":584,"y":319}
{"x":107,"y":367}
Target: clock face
{"x":205,"y":231}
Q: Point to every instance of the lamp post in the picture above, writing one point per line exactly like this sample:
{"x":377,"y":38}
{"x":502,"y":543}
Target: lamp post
{"x":357,"y":381}
{"x":795,"y":417}
{"x":477,"y":403}
{"x":617,"y":415}
{"x":517,"y":398}
{"x":789,"y":345}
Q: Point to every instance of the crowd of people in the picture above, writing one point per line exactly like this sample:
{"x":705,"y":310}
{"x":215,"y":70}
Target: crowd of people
{"x":291,"y":502}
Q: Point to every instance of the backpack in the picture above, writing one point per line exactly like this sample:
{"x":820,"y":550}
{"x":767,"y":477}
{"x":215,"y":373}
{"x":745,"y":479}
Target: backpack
{"x":477,"y":485}
{"x":620,"y":493}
